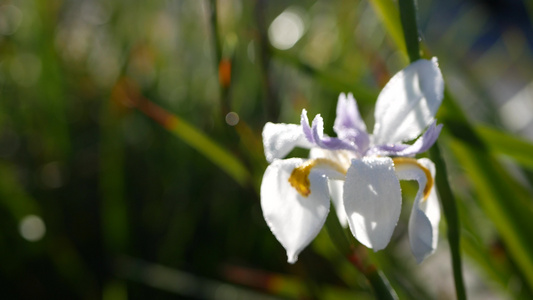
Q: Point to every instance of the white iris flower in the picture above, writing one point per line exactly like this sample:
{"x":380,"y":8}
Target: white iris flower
{"x":360,"y":172}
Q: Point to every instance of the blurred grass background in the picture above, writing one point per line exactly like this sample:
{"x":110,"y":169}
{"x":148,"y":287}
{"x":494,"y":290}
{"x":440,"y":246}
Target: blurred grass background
{"x":104,"y":193}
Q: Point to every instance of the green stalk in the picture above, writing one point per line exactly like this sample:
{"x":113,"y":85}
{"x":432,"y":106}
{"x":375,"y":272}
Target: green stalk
{"x":377,"y":280}
{"x":114,"y":207}
{"x":452,"y":219}
{"x":410,"y":29}
{"x":220,"y":61}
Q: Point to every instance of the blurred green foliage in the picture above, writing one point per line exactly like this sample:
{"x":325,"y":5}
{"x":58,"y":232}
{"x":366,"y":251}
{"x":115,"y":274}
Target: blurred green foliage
{"x":135,"y":207}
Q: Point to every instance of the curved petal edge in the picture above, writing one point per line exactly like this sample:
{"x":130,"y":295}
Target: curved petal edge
{"x":280,"y":139}
{"x":425,"y":214}
{"x":295,"y":220}
{"x":408,"y":102}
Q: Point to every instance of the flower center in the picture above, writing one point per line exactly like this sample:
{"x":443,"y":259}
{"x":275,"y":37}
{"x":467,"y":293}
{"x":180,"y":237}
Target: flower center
{"x":299,"y":178}
{"x":411,"y":161}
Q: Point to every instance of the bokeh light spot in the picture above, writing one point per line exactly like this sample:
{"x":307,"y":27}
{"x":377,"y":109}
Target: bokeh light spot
{"x":32,"y":228}
{"x":286,"y":30}
{"x":232,"y":118}
{"x":10,"y":19}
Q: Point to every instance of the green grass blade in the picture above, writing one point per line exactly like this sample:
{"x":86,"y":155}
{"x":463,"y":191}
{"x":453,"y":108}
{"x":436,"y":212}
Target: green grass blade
{"x":389,"y":15}
{"x":410,"y":28}
{"x":486,"y":254}
{"x":521,"y":151}
{"x":127,"y":92}
{"x":504,"y":201}
{"x":209,"y":148}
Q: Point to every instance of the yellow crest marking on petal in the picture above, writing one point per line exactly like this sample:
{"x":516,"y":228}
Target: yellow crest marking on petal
{"x":411,"y":161}
{"x":299,"y":178}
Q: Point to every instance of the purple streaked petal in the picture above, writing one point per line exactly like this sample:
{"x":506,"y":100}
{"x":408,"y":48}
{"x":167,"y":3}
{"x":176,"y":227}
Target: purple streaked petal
{"x":348,"y":117}
{"x":361,"y":139}
{"x":327,"y":142}
{"x":304,"y":121}
{"x":387,"y":150}
{"x":349,"y":125}
{"x":422,"y":144}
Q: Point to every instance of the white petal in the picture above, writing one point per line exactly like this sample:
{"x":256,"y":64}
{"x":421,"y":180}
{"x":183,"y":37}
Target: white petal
{"x":280,"y":139}
{"x":425,"y":215}
{"x":336,"y":180}
{"x":335,"y":190}
{"x":372,"y":199}
{"x":408,"y":103}
{"x":295,"y":220}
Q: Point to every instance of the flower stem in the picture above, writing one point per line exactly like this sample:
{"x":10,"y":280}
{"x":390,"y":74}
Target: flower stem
{"x":452,"y":219}
{"x":271,"y":99}
{"x":223,"y":62}
{"x":377,"y":280}
{"x":410,"y":29}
